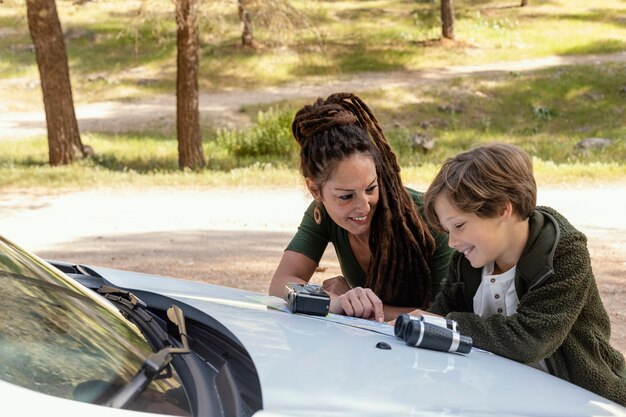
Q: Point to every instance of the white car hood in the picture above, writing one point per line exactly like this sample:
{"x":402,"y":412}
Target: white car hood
{"x":311,"y":366}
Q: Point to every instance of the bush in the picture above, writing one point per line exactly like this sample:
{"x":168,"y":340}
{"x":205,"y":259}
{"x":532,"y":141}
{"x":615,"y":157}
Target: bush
{"x":270,"y":136}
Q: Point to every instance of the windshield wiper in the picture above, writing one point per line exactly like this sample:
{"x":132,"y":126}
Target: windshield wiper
{"x":154,"y":364}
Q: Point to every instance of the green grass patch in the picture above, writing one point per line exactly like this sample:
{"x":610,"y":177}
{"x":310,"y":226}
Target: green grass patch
{"x":547,"y":113}
{"x":130,"y":47}
{"x":120,"y":50}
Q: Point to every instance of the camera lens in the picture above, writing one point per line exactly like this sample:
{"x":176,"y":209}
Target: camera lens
{"x":399,"y":327}
{"x":429,"y":336}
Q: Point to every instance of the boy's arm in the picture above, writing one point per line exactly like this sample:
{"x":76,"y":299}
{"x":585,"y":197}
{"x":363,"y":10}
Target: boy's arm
{"x":545,"y":315}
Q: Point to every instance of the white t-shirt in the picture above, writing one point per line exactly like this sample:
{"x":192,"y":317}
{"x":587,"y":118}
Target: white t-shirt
{"x":496,"y":295}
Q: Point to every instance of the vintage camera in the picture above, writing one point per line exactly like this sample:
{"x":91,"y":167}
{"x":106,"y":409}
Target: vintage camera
{"x":420,"y":333}
{"x":307,"y":299}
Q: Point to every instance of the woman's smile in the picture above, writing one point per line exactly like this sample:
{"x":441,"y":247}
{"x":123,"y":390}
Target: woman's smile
{"x":359,"y":220}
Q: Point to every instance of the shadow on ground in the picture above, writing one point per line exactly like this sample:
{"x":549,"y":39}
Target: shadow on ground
{"x":237,"y":259}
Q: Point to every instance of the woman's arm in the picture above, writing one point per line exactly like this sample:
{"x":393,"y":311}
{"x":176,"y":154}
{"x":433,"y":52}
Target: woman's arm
{"x":296,"y":267}
{"x":336,"y":285}
{"x":293,"y":267}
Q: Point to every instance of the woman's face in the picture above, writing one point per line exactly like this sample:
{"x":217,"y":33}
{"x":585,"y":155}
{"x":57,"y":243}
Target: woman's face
{"x":350,"y":195}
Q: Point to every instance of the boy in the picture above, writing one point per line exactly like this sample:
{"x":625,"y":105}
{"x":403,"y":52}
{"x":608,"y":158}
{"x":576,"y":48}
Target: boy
{"x":520,"y":283}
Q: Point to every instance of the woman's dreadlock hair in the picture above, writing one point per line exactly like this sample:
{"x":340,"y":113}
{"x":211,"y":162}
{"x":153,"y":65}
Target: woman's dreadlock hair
{"x":341,"y":126}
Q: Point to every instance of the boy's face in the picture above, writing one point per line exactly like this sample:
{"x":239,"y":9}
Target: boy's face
{"x":481,"y":240}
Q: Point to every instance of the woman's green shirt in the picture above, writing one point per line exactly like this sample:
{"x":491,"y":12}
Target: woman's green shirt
{"x":312,"y":239}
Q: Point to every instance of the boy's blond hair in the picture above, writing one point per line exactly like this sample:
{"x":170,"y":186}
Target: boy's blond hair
{"x":482,"y":180}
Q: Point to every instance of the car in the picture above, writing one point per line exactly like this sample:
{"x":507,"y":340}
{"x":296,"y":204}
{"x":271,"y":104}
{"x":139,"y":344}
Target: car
{"x":85,"y":340}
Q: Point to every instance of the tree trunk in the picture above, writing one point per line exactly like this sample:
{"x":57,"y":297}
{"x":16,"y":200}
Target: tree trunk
{"x":447,"y":19}
{"x":64,"y":144}
{"x":244,"y":16}
{"x":190,"y":154}
{"x":524,"y":3}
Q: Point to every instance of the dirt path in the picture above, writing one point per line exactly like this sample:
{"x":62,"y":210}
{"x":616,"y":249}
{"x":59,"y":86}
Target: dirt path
{"x":222,"y":108}
{"x":236,"y":237}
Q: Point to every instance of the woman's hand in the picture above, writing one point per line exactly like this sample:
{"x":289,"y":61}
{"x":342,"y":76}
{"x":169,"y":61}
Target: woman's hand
{"x":336,"y":285}
{"x":358,"y":302}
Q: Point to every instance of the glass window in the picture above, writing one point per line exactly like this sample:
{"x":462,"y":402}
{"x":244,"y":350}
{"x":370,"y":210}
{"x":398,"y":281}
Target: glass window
{"x":60,"y":341}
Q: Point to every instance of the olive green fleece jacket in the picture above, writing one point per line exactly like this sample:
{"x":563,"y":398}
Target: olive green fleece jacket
{"x":560,"y":316}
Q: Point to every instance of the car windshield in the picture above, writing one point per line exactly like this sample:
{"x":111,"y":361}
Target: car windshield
{"x":59,"y":339}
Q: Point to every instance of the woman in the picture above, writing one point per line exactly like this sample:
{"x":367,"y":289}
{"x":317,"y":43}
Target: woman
{"x":391,"y":262}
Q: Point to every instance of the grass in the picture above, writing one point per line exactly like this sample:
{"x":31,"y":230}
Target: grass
{"x":546,"y":112}
{"x":123,"y":50}
{"x":127,"y":49}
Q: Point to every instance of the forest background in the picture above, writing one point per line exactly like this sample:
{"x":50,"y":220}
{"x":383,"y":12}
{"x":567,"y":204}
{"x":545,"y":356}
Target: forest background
{"x":548,"y":76}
